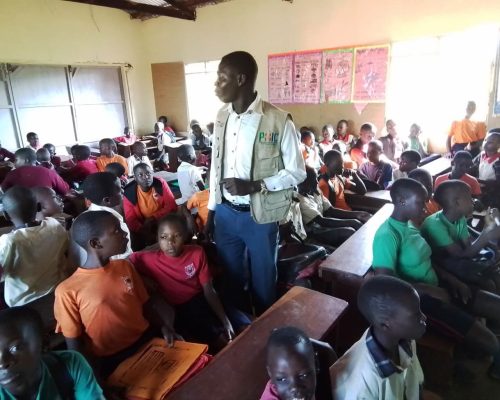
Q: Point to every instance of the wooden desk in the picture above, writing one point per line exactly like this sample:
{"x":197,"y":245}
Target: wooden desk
{"x":371,"y":201}
{"x":171,"y":149}
{"x":354,"y":256}
{"x":239,"y":371}
{"x":438,"y":167}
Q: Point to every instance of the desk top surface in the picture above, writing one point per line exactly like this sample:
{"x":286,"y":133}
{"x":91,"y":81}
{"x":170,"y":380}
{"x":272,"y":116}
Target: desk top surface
{"x":437,"y":167}
{"x":239,"y":371}
{"x":354,"y":256}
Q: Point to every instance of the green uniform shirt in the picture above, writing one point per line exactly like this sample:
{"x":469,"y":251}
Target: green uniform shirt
{"x":399,"y":247}
{"x":86,"y":387}
{"x":441,"y":232}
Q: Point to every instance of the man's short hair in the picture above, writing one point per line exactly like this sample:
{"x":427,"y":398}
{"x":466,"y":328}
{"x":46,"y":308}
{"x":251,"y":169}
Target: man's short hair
{"x":186,"y":153}
{"x":412,"y":156}
{"x":288,"y":337}
{"x":21,"y":202}
{"x":27,"y":154}
{"x":243,"y":63}
{"x":139,"y":166}
{"x":89,"y":225}
{"x":30,"y":134}
{"x":419,"y":174}
{"x":174,"y":219}
{"x":378,"y":144}
{"x":23,"y":316}
{"x":109,"y":141}
{"x":446,"y":193}
{"x":366,"y":127}
{"x":115,"y":168}
{"x":98,"y":186}
{"x":462,"y":155}
{"x":330,"y":155}
{"x":405,"y":188}
{"x":379,"y":297}
{"x":81,"y":152}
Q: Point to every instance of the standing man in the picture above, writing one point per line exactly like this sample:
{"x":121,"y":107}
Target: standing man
{"x":391,"y":143}
{"x":256,"y":162}
{"x":466,"y":132}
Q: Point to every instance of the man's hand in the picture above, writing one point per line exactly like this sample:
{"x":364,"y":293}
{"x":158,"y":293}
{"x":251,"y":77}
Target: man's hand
{"x":209,"y":228}
{"x":363,"y":216}
{"x":460,"y":291}
{"x":169,"y":335}
{"x":228,"y":330}
{"x":240,"y":187}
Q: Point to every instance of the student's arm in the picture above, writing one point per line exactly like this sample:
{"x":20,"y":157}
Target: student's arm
{"x":60,"y":186}
{"x":216,"y":306}
{"x":456,"y":287}
{"x":386,"y":176}
{"x":132,"y":217}
{"x":337,"y":223}
{"x":344,"y":214}
{"x":468,"y":249}
{"x":357,"y":185}
{"x":169,"y":204}
{"x":158,"y":312}
{"x":448,"y":144}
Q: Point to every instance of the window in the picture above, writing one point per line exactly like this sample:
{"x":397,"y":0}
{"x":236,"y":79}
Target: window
{"x":203,"y":104}
{"x":431,"y":80}
{"x":63,"y":104}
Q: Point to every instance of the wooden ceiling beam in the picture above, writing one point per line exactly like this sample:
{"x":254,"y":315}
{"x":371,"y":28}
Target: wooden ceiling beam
{"x":179,"y":5}
{"x":126,"y":5}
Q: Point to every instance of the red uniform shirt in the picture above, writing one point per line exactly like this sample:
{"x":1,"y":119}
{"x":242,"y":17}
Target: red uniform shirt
{"x":81,"y":170}
{"x":179,"y":278}
{"x":30,"y":176}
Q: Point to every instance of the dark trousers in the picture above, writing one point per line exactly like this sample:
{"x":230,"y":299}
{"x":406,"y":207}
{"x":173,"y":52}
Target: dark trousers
{"x":237,"y":234}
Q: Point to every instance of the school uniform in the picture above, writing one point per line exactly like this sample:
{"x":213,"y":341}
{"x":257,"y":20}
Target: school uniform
{"x":199,"y":202}
{"x":392,"y":147}
{"x":365,"y":372}
{"x":85,"y":385}
{"x":200,"y":143}
{"x":397,"y":174}
{"x":487,"y":166}
{"x":188,"y":175}
{"x":81,"y":170}
{"x":334,"y":190}
{"x":270,"y":392}
{"x":33,"y":261}
{"x":32,"y":176}
{"x":6,"y":154}
{"x":102,"y":161}
{"x":468,"y":179}
{"x":464,"y":132}
{"x":133,"y":160}
{"x":380,"y":173}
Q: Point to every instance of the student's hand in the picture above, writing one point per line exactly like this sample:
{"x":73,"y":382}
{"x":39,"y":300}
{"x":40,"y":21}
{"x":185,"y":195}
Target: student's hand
{"x":240,"y":187}
{"x":353,"y":223}
{"x":209,"y":228}
{"x":363,"y":216}
{"x":460,"y":291}
{"x":169,"y":335}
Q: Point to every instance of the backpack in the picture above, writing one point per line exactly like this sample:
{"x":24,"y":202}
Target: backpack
{"x":61,"y":376}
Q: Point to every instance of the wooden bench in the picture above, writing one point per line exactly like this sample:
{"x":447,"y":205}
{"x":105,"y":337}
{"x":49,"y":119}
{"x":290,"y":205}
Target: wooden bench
{"x":438,"y":167}
{"x":239,"y":371}
{"x":370,"y":201}
{"x":171,"y":149}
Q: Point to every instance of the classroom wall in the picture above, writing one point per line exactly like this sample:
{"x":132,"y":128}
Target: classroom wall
{"x":271,"y":26}
{"x":60,"y":32}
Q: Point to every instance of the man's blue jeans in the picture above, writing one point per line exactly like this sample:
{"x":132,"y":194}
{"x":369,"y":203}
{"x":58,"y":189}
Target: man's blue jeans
{"x":235,"y":232}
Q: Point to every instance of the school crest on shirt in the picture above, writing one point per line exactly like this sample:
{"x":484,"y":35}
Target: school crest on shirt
{"x":268,"y":137}
{"x":129,"y":284}
{"x":189,"y":270}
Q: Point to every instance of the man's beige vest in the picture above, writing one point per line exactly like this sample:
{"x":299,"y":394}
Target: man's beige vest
{"x":266,"y":161}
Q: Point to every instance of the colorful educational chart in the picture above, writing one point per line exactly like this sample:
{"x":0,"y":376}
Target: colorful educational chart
{"x":370,"y":74}
{"x":307,"y":77}
{"x":280,"y":78}
{"x":337,"y":76}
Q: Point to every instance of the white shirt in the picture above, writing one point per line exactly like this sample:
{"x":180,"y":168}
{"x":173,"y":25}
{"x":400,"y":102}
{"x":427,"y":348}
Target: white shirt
{"x":132,"y":161}
{"x":188,"y":176}
{"x":486,"y":169}
{"x":355,"y":376}
{"x":312,"y":206}
{"x":238,"y":152}
{"x":33,"y":261}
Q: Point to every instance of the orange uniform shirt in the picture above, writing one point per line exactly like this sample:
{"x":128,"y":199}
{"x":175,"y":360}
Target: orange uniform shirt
{"x":200,"y":201}
{"x":102,"y":161}
{"x":105,"y":305}
{"x":335,"y":186}
{"x":466,"y":131}
{"x":468,"y":179}
{"x":146,"y":201}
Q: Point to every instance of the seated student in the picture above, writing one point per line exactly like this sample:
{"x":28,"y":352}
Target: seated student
{"x":416,"y":141}
{"x":188,"y":175}
{"x":309,"y":150}
{"x":408,"y":162}
{"x":326,"y":144}
{"x":104,"y":192}
{"x":359,"y":149}
{"x":391,"y":143}
{"x":146,"y":200}
{"x":452,"y":247}
{"x":333,"y":183}
{"x":28,"y":373}
{"x":460,"y":165}
{"x":166,"y":127}
{"x":101,"y":309}
{"x":185,"y":282}
{"x":375,"y":169}
{"x":107,"y":148}
{"x":489,"y":169}
{"x":431,"y":206}
{"x":343,"y":135}
{"x":29,"y":175}
{"x":43,"y":158}
{"x":6,"y":155}
{"x":295,"y":369}
{"x":83,"y":165}
{"x":199,"y":203}
{"x":117,"y":170}
{"x":383,"y":364}
{"x":50,"y":205}
{"x":139,"y":156}
{"x":323,"y":222}
{"x":199,"y":140}
{"x":128,"y":137}
{"x":55,"y":160}
{"x":33,"y":141}
{"x":399,"y":250}
{"x":32,"y":256}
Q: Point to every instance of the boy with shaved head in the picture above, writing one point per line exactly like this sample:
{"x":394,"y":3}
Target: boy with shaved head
{"x":383,"y":364}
